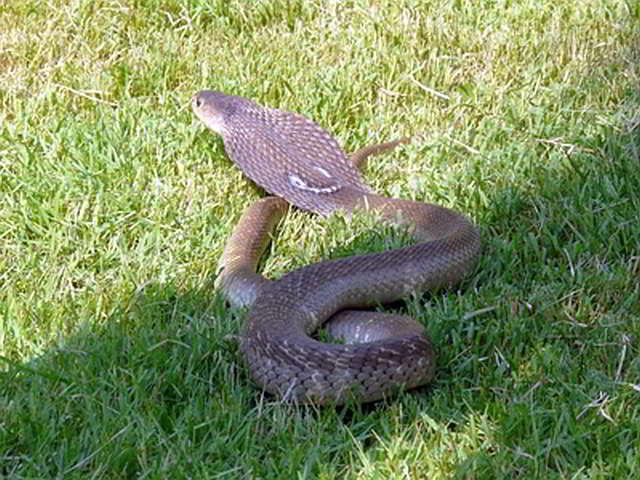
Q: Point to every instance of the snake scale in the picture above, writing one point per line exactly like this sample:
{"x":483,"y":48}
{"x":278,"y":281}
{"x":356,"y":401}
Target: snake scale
{"x":302,"y":164}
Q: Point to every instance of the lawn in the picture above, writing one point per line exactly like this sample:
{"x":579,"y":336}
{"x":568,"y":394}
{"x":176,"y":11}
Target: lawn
{"x":115,"y":204}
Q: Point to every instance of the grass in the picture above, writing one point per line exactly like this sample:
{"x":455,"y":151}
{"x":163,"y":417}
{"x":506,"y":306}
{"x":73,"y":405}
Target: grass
{"x":115,"y":205}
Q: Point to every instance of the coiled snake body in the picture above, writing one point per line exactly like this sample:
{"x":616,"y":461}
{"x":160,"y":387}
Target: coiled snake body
{"x":294,"y":158}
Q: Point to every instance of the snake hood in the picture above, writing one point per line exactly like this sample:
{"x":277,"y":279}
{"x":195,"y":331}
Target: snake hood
{"x":314,"y":175}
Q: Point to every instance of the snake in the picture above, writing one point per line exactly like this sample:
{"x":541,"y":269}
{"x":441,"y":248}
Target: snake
{"x":300,"y":163}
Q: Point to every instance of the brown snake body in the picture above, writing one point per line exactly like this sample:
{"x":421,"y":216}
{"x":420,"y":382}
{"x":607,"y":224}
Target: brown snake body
{"x":294,"y":158}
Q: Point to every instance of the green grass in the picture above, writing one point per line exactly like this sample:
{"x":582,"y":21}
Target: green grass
{"x":115,"y":205}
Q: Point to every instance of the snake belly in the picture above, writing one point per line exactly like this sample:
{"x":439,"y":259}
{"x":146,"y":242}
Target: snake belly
{"x":295,"y":159}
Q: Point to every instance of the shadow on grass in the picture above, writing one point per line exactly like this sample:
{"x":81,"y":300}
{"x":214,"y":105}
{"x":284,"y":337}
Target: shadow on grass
{"x":562,"y":367}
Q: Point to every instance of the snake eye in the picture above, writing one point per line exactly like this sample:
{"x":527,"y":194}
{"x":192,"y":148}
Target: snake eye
{"x":197,"y":102}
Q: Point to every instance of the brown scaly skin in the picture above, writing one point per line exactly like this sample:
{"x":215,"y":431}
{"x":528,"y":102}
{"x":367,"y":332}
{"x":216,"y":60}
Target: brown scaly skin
{"x":292,"y":157}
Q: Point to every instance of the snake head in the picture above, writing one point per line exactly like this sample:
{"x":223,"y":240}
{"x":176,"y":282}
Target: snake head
{"x":215,"y":109}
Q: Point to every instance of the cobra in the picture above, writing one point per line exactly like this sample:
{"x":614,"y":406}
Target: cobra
{"x":301,"y":164}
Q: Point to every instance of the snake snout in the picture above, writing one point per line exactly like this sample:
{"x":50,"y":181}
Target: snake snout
{"x":211,"y":108}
